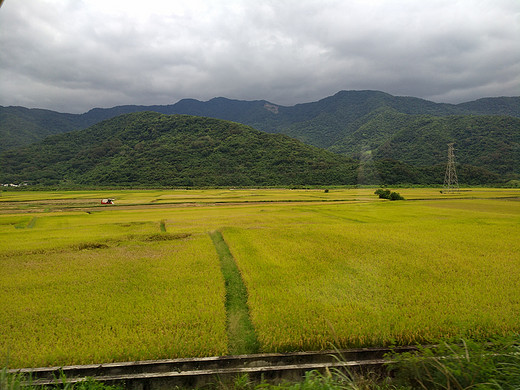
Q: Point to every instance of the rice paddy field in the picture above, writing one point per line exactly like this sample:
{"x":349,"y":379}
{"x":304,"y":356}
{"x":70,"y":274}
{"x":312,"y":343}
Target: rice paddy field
{"x":82,"y":282}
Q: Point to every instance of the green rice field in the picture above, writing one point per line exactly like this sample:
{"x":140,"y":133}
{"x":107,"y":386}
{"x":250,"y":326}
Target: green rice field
{"x":82,"y":282}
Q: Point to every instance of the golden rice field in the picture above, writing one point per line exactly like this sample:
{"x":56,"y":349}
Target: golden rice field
{"x":85,"y":283}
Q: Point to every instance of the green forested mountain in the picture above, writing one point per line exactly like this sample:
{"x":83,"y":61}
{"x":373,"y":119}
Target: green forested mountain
{"x":405,"y":129}
{"x":489,"y":142}
{"x":322,"y":123}
{"x":159,"y":150}
{"x":22,"y":126}
{"x":407,"y":133}
{"x":508,"y":106}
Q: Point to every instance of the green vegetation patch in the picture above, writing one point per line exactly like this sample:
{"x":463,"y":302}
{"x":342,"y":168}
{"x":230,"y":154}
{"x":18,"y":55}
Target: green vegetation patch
{"x":463,"y":365}
{"x":165,"y":236}
{"x":91,"y":245}
{"x":241,"y":334}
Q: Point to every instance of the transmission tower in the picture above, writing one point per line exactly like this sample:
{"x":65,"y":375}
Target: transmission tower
{"x":451,"y":183}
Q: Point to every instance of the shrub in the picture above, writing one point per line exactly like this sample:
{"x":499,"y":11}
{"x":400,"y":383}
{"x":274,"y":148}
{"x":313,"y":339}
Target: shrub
{"x":386,"y":194}
{"x":383,"y":194}
{"x":396,"y":196}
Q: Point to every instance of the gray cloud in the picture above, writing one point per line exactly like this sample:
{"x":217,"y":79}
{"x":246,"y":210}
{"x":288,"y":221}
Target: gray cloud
{"x":71,"y":55}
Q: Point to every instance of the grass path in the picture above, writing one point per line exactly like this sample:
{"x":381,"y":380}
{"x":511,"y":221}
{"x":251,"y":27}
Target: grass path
{"x":32,"y":222}
{"x":241,"y":333}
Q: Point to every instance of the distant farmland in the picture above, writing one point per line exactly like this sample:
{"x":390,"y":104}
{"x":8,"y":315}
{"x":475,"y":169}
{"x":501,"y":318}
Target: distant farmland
{"x":85,"y":283}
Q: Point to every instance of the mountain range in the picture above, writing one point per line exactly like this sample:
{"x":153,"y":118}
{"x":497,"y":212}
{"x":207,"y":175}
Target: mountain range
{"x":368,"y":126}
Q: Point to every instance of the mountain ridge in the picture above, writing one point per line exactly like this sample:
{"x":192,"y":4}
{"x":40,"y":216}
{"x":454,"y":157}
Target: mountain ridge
{"x":19,"y":128}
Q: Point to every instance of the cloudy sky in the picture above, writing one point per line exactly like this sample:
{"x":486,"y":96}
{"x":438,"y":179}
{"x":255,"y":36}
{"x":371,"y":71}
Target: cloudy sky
{"x":73,"y":55}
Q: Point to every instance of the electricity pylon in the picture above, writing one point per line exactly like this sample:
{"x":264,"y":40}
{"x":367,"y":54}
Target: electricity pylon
{"x":451,"y":183}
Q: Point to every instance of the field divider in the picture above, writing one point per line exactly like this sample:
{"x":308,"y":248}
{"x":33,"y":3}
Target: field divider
{"x":240,"y":330}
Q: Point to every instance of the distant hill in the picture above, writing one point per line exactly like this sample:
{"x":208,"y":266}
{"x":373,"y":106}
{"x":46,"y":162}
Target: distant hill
{"x":508,"y":106}
{"x":321,"y":123}
{"x":152,"y":149}
{"x":362,"y":125}
{"x":489,"y":142}
{"x":21,"y":126}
